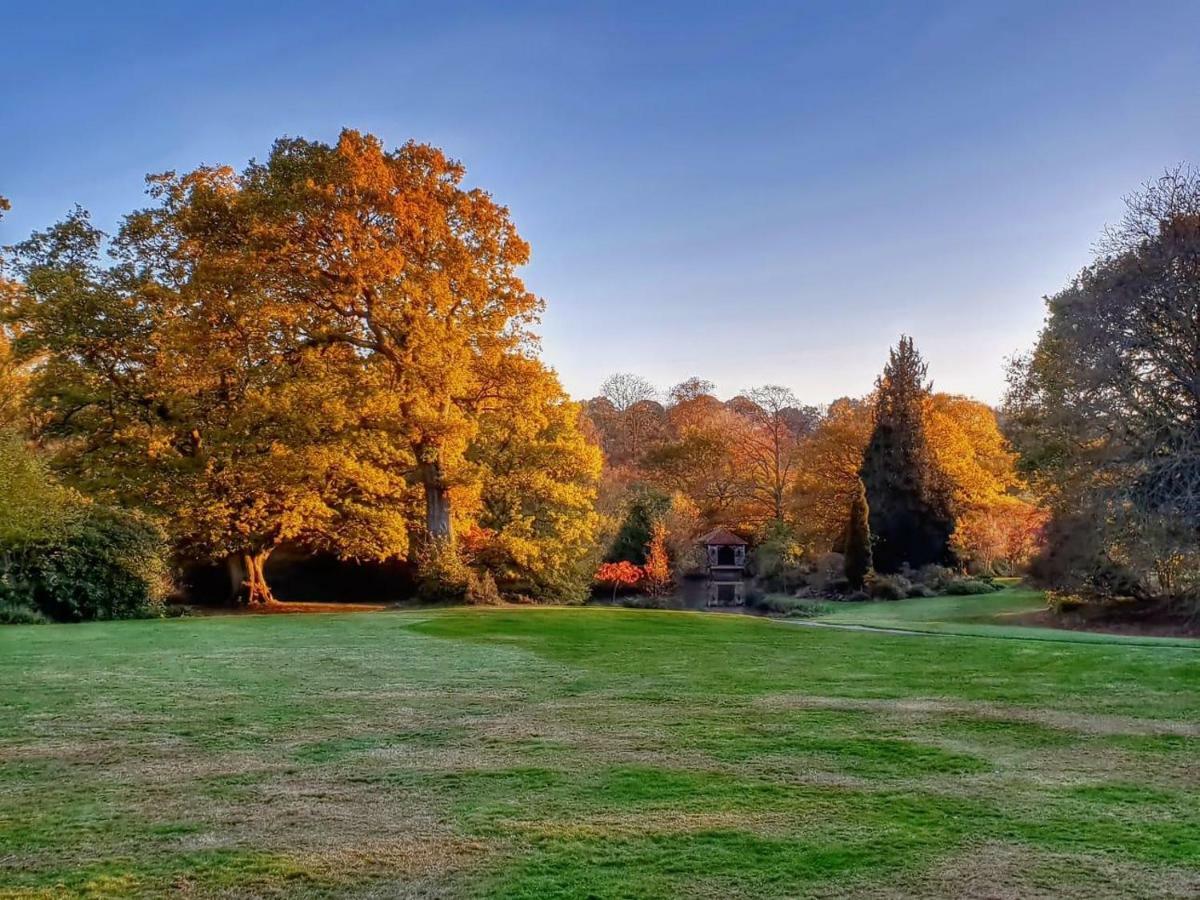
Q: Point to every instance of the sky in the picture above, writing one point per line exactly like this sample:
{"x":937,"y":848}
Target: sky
{"x":752,"y":193}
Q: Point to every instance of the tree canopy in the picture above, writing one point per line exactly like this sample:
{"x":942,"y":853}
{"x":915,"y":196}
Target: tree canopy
{"x":330,"y":348}
{"x":1106,"y":409}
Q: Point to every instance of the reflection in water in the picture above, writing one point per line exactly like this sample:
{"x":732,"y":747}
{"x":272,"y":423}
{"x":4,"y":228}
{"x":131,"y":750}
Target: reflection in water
{"x":690,"y":593}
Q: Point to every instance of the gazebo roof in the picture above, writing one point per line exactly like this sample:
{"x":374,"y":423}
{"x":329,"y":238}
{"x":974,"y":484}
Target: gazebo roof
{"x":719,"y":537}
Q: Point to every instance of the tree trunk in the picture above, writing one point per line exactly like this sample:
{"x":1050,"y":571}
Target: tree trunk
{"x":437,"y":499}
{"x":247,"y":580}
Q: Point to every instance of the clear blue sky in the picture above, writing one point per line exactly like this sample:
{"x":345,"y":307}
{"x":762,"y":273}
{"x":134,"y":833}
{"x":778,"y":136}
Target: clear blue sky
{"x":748,"y":192}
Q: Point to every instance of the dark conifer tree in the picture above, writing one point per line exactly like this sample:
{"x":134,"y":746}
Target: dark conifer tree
{"x":909,"y":499}
{"x":858,"y":540}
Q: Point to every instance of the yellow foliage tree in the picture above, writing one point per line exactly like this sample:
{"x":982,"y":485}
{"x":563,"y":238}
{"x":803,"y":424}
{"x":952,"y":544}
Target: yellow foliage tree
{"x":535,"y":520}
{"x":995,"y":527}
{"x":968,"y":447}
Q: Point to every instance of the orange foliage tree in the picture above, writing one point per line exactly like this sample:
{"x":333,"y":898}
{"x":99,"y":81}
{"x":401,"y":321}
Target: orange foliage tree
{"x":996,"y":527}
{"x":657,"y":571}
{"x":331,"y":347}
{"x":623,"y":574}
{"x":827,"y":470}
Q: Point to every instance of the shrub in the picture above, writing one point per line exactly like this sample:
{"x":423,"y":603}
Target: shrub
{"x":103,"y":564}
{"x":920,"y":590}
{"x":782,"y":605}
{"x":442,"y":574}
{"x":482,"y":590}
{"x":888,"y":587}
{"x":808,"y":611}
{"x":645,"y":601}
{"x":970,"y":586}
{"x":934,"y":577}
{"x":1063,"y":603}
{"x":777,"y":558}
{"x":13,"y":612}
{"x":829,"y":574}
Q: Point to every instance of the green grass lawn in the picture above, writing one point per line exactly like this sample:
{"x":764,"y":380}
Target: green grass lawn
{"x":592,"y":753}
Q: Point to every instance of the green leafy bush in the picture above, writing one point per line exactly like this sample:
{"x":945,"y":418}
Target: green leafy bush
{"x":102,"y":564}
{"x":970,"y":586}
{"x":888,"y":587}
{"x":13,"y":612}
{"x":777,"y":559}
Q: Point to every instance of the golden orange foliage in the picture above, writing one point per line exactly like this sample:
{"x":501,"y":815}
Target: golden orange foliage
{"x":968,"y":447}
{"x":536,"y":475}
{"x":827,"y":473}
{"x":994,"y":525}
{"x":331,"y":347}
{"x":656,"y":573}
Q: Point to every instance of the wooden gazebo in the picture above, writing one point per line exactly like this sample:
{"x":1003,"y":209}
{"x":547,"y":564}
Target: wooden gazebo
{"x":726,"y":556}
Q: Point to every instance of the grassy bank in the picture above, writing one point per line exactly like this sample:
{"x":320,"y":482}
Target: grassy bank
{"x":988,"y":615}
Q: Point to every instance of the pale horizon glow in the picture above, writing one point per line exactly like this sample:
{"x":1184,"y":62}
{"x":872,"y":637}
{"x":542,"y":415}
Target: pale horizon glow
{"x":767,"y":195}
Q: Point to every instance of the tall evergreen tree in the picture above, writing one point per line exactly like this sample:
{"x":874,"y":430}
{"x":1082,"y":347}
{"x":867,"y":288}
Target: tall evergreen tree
{"x":910,"y":509}
{"x":858,"y":539}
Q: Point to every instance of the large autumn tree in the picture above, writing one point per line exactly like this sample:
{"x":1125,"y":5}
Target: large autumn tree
{"x":628,"y":418}
{"x":291,"y":352}
{"x":697,"y":458}
{"x":163,"y":383}
{"x":997,"y":525}
{"x":385,"y":252}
